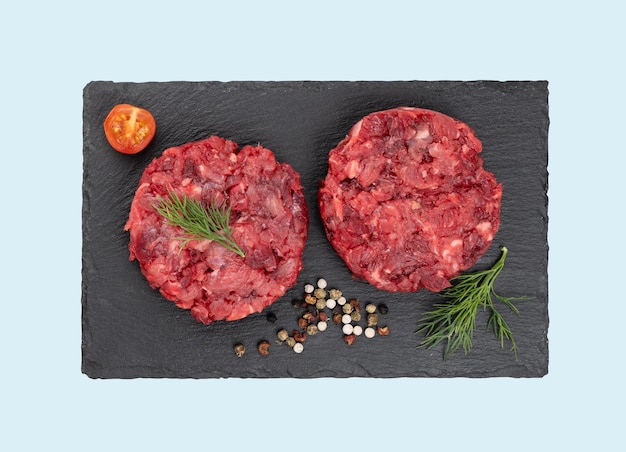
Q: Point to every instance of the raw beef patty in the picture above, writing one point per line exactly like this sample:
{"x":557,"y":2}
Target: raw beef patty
{"x":406,"y":202}
{"x":268,"y":220}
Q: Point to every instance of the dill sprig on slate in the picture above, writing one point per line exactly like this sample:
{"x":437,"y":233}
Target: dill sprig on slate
{"x":454,"y":321}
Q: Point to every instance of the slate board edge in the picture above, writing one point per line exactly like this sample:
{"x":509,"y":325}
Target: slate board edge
{"x":85,"y":210}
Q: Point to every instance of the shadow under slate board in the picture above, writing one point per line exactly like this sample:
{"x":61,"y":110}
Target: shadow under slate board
{"x":131,"y":331}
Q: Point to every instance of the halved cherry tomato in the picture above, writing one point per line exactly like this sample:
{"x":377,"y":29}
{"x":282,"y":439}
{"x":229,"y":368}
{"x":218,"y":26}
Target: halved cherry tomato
{"x":129,"y":129}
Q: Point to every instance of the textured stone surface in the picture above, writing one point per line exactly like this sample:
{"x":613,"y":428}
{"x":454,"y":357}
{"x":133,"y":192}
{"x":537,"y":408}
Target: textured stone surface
{"x":130,"y":331}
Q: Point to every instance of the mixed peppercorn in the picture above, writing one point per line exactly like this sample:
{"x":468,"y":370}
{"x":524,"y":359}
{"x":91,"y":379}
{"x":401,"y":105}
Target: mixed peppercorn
{"x":322,"y":306}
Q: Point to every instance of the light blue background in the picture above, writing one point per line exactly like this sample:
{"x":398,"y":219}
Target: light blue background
{"x":50,"y":50}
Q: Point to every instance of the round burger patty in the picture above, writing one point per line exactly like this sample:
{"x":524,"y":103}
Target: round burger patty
{"x":406,"y":202}
{"x":268,"y":220}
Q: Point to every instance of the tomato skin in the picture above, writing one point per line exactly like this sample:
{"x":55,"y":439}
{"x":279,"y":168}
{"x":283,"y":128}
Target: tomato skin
{"x":129,"y":129}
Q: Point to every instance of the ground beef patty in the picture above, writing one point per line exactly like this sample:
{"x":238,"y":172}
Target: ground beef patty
{"x":268,"y":220}
{"x":407,"y":203}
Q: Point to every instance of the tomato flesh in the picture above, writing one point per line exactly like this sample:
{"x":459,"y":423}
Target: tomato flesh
{"x":129,"y":129}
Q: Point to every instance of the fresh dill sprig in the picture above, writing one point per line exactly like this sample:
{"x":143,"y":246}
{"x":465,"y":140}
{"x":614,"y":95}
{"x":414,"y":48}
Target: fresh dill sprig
{"x":455,"y":320}
{"x":199,"y":222}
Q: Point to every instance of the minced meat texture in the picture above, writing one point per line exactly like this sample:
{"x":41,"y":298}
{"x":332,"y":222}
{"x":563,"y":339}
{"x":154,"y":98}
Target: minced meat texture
{"x":268,"y":220}
{"x":406,"y":202}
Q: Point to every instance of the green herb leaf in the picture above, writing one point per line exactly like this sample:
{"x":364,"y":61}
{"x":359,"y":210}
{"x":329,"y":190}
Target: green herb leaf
{"x":198,"y":222}
{"x":455,"y":320}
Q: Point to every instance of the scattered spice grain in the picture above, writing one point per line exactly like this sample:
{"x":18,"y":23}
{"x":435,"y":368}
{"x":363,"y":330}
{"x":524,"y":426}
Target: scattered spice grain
{"x":372,"y":319}
{"x":264,"y":347}
{"x":370,"y":308}
{"x":334,"y":294}
{"x":282,"y":335}
{"x":240,"y":350}
{"x":271,"y":317}
{"x":299,"y":336}
{"x":383,"y":330}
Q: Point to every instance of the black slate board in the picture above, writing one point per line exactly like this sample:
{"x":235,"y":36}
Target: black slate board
{"x":130,"y":331}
